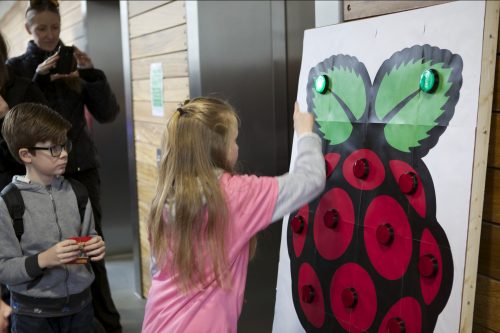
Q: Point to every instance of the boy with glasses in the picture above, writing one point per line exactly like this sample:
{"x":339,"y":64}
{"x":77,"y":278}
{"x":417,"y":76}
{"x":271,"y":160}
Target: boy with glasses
{"x":49,"y":292}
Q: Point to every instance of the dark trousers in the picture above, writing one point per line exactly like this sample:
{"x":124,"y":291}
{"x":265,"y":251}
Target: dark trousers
{"x":104,"y":308}
{"x":81,"y":322}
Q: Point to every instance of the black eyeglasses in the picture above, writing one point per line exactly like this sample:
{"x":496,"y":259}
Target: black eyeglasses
{"x":56,"y":150}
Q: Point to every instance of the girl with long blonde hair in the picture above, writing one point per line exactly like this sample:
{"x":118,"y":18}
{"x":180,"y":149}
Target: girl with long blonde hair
{"x":204,"y":217}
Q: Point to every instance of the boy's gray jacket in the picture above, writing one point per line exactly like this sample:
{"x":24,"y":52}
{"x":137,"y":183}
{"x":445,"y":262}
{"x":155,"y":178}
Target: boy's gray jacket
{"x":51,"y":215}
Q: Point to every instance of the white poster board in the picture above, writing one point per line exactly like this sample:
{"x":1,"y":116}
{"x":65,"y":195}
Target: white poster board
{"x":450,"y":30}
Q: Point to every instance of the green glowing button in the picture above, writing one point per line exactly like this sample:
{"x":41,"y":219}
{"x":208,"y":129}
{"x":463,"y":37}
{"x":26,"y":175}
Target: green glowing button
{"x":321,"y":84}
{"x":429,"y":80}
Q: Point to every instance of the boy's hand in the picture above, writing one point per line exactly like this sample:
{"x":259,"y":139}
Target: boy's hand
{"x":5,"y":311}
{"x":59,"y":254}
{"x":302,"y":121}
{"x":95,"y":248}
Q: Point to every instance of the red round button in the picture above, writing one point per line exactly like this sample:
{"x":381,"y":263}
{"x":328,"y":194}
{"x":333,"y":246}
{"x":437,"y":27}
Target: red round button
{"x":408,"y":182}
{"x":307,"y":293}
{"x":331,"y":218}
{"x":349,"y":297}
{"x":396,"y":325}
{"x":428,"y":266}
{"x":360,"y":168}
{"x":385,"y":234}
{"x":297,"y":224}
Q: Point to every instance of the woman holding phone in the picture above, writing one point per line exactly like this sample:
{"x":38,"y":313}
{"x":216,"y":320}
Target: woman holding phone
{"x":69,"y":94}
{"x":13,"y":90}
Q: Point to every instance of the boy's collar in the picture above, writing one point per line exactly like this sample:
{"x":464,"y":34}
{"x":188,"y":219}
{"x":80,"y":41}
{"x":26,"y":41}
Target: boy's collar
{"x":23,"y":179}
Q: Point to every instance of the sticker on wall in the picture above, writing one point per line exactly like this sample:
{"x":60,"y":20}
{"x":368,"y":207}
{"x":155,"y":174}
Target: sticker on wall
{"x":156,"y":89}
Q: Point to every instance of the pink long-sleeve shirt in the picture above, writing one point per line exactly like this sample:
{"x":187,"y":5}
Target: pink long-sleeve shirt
{"x":253,"y":202}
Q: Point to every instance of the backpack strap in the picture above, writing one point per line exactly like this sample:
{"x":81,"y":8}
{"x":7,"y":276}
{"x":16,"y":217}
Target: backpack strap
{"x":15,"y":204}
{"x":82,"y":196}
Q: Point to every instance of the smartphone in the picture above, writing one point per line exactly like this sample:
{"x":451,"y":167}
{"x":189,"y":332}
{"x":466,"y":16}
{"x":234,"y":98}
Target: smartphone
{"x":66,"y":63}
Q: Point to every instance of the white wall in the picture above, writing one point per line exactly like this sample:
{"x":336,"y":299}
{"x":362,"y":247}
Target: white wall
{"x":328,"y":12}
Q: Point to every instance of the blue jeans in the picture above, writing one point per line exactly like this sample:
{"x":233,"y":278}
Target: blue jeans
{"x":81,"y":322}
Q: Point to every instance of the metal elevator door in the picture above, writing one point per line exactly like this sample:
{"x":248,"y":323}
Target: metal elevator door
{"x":249,"y":53}
{"x":102,"y":27}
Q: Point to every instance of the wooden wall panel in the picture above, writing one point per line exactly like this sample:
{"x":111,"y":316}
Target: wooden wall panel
{"x":157,"y":34}
{"x":174,"y":65}
{"x":75,"y":33}
{"x":66,"y":6}
{"x":150,"y":133}
{"x":176,"y":89}
{"x":146,"y":153}
{"x":71,"y":18}
{"x":476,"y":328}
{"x":164,"y":17}
{"x":138,"y":7}
{"x":72,"y":27}
{"x":357,"y":9}
{"x":494,"y":148}
{"x":12,"y":26}
{"x":496,"y":93}
{"x":487,"y":303}
{"x":172,"y":40}
{"x":142,"y":112}
{"x":491,"y":211}
{"x":489,"y":251}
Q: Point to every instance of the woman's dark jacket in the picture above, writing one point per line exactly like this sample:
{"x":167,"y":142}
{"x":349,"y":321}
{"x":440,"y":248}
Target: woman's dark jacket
{"x":95,"y":94}
{"x":17,"y":90}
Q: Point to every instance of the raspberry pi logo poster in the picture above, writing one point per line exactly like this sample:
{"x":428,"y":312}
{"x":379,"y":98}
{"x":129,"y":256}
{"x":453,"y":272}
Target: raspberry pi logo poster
{"x":395,"y":101}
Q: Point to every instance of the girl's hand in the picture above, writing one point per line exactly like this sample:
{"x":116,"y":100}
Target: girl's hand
{"x":49,"y":63}
{"x":82,"y":59}
{"x":4,"y":107}
{"x":302,"y":121}
{"x":95,"y":248}
{"x":59,"y":254}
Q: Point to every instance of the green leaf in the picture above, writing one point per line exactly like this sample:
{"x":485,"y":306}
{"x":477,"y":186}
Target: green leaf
{"x":418,"y":111}
{"x":331,"y":117}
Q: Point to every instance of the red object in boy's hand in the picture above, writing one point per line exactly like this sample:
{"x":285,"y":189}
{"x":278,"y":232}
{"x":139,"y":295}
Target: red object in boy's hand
{"x":83,"y":258}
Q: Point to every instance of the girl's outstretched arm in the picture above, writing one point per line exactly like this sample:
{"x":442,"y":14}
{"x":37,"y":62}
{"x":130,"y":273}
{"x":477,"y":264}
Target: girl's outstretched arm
{"x":307,"y":180}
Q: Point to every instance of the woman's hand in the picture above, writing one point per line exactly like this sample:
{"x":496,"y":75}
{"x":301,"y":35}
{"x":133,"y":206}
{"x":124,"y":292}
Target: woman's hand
{"x":302,"y":121}
{"x":82,"y":59}
{"x":49,"y":63}
{"x":95,"y":248}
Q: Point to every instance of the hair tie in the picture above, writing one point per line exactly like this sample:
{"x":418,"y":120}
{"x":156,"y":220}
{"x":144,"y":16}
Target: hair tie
{"x":181,"y":111}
